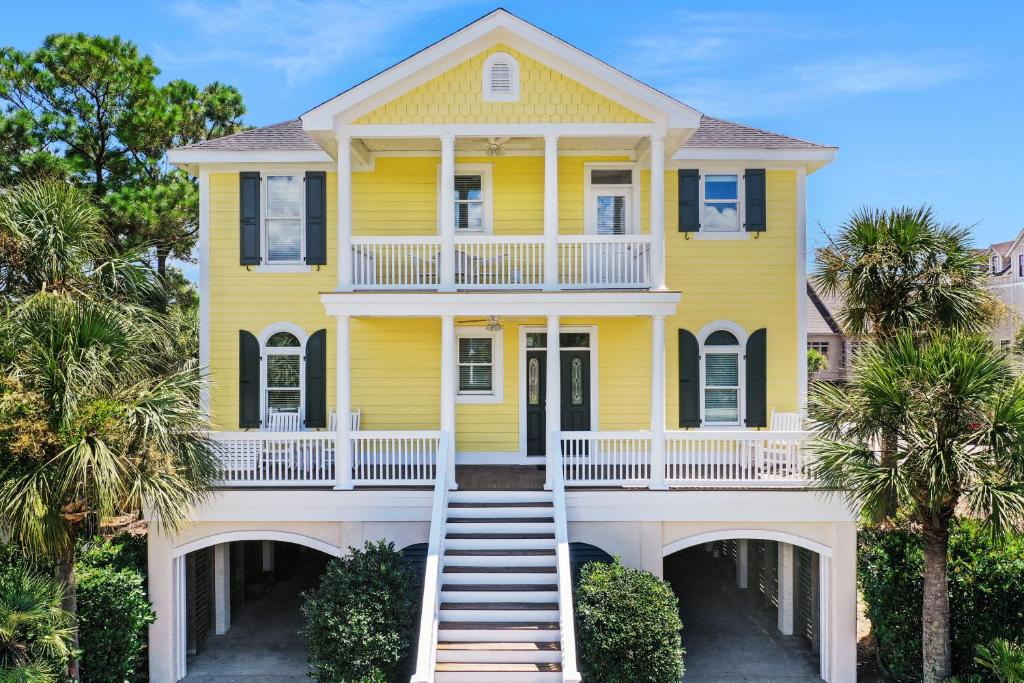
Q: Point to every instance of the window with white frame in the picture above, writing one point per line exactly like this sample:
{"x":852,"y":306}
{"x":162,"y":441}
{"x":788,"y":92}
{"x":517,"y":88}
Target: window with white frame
{"x":282,"y":211}
{"x":722,"y":375}
{"x":993,"y":264}
{"x":819,"y":346}
{"x":478,"y":364}
{"x":721,"y":202}
{"x":282,"y":373}
{"x":610,"y":201}
{"x":501,"y":78}
{"x":1020,"y":265}
{"x":469,"y":201}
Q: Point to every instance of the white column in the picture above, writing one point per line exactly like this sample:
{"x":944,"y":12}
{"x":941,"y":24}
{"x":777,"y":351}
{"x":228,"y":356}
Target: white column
{"x":553,"y":401}
{"x":343,"y":407}
{"x":447,"y":181}
{"x":221,"y":588}
{"x":550,"y":212}
{"x":658,"y":211}
{"x":742,"y":562}
{"x":658,"y":402}
{"x":344,"y":213}
{"x":268,"y":556}
{"x":786,"y":589}
{"x":448,"y":390}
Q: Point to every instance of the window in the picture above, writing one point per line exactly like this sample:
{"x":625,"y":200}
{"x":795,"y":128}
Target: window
{"x":283,"y":373}
{"x":721,"y":202}
{"x":819,"y":346}
{"x":610,"y":201}
{"x":1020,"y":265}
{"x":501,"y":78}
{"x":721,"y":371}
{"x":469,"y":201}
{"x":283,"y":206}
{"x":993,"y":264}
{"x":478,"y":364}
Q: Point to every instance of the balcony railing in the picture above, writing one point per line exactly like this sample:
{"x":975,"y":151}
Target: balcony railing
{"x":490,"y":262}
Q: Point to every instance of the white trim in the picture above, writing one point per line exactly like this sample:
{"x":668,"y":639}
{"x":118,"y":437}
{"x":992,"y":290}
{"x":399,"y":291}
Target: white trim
{"x":633,"y":190}
{"x":750,"y":534}
{"x":257,"y":535}
{"x":486,"y":172}
{"x":488,"y":89}
{"x":523,"y":330}
{"x":806,"y":155}
{"x":740,"y":201}
{"x":719,"y":236}
{"x":263,"y":338}
{"x":181,"y":157}
{"x":741,"y":352}
{"x":497,"y":393}
{"x":485,"y":130}
{"x":204,"y":286}
{"x":801,"y":289}
{"x":283,"y":268}
{"x":264,"y":232}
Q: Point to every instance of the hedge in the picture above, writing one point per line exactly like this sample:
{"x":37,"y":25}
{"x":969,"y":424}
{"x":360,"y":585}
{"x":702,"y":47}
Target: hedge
{"x":986,"y":589}
{"x":627,"y":626}
{"x":359,"y":620}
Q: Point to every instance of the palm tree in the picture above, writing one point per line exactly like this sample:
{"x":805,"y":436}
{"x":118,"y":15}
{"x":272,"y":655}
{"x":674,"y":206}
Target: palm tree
{"x":955,"y":407}
{"x":902,"y":270}
{"x":35,"y":632}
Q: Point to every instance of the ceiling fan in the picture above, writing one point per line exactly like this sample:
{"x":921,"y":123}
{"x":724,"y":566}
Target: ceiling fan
{"x":494,"y":145}
{"x":491,"y":322}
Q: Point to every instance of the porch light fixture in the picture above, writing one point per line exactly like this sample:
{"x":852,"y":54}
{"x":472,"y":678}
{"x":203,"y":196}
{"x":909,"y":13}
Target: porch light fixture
{"x":492,"y":324}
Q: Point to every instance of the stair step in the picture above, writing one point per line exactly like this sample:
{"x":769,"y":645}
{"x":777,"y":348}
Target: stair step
{"x":529,"y":647}
{"x":504,"y":504}
{"x":461,"y":552}
{"x":529,"y":653}
{"x":499,"y":596}
{"x":500,"y":536}
{"x":497,"y":666}
{"x":499,"y":543}
{"x":494,"y":632}
{"x":480,"y":569}
{"x":482,"y":526}
{"x":499,"y":605}
{"x":497,"y":626}
{"x":498,"y":495}
{"x":503,"y":559}
{"x":503,"y":587}
{"x":501,"y":520}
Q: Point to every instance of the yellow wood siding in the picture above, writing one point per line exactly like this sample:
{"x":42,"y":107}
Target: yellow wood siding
{"x":545,"y":96}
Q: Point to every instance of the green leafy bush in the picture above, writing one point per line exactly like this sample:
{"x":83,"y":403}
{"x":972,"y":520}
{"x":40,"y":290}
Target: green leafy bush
{"x":35,"y":632}
{"x":627,"y":626}
{"x":986,"y":590}
{"x":359,"y":620}
{"x":124,"y":551}
{"x":113,"y":616}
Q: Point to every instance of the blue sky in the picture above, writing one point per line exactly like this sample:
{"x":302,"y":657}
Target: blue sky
{"x":925,"y":99}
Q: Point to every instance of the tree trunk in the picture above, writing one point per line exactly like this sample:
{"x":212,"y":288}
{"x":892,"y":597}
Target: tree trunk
{"x":935,"y":636}
{"x":64,"y":569}
{"x":162,"y":254}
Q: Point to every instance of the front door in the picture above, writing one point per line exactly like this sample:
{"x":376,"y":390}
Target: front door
{"x":575,"y":380}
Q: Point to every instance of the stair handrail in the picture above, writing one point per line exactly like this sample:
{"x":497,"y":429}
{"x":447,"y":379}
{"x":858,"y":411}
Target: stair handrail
{"x":430,"y":608}
{"x":566,"y":617}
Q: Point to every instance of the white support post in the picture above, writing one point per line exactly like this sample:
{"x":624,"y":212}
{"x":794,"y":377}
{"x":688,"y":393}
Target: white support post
{"x":551,"y":212}
{"x":447,"y":180}
{"x":221,"y":588}
{"x":344,"y":215}
{"x":268,"y":556}
{"x":553,"y":402}
{"x":448,"y":391}
{"x":343,"y":408}
{"x":658,"y":212}
{"x":658,"y":402}
{"x":742,"y":562}
{"x":786,"y":597}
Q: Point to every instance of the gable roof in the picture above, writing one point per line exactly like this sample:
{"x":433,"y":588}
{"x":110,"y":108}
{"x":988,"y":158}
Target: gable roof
{"x":820,"y":314}
{"x":286,"y":135}
{"x":714,"y":132}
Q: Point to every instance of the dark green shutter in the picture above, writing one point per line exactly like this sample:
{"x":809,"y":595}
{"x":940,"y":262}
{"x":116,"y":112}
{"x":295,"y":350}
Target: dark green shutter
{"x":754,"y":196}
{"x":248,"y":380}
{"x":689,"y":200}
{"x":316,"y":218}
{"x":316,"y":380}
{"x":249,"y":210}
{"x":689,"y":380}
{"x":757,"y":385}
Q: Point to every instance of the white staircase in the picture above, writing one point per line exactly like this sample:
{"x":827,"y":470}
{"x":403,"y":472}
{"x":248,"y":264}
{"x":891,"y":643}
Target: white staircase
{"x":499,"y":616}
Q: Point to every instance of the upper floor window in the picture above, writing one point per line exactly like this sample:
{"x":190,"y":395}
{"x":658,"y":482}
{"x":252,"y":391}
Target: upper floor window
{"x":283,"y":374}
{"x":721,"y":370}
{"x":283,"y":206}
{"x":501,"y":78}
{"x":472,"y":197}
{"x":610,"y":201}
{"x":721,"y":202}
{"x":993,"y":264}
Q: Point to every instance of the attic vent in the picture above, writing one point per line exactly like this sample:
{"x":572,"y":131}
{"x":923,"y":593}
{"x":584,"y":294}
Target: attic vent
{"x":501,"y":78}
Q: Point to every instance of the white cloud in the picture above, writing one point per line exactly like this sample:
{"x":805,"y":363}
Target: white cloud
{"x":300,"y":38}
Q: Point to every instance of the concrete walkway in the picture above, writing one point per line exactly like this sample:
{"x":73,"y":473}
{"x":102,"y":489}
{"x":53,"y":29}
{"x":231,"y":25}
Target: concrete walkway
{"x":263,"y":644}
{"x":728,"y":636}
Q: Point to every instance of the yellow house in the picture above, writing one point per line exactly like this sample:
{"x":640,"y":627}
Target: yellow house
{"x":509,"y":308}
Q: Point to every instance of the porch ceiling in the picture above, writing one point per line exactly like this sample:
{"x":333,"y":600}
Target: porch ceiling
{"x":508,"y":144}
{"x":432,"y":304}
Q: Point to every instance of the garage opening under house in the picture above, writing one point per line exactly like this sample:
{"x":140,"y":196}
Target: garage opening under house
{"x":504,"y":253}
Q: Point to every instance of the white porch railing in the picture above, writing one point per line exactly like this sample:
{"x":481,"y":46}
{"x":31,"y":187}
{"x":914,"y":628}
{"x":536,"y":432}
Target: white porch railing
{"x":487,"y":262}
{"x":692,"y":458}
{"x":395,"y":458}
{"x":604,"y":261}
{"x":396,"y":262}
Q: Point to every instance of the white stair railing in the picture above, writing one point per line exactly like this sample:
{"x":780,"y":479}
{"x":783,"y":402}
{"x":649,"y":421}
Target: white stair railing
{"x":566,"y":615}
{"x":426,"y":651}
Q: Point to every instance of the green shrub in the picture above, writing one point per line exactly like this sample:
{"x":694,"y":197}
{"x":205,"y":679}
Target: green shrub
{"x":628,"y":626}
{"x":113,"y":616}
{"x":986,"y":590}
{"x":359,"y":620}
{"x":124,"y":551}
{"x":35,"y":632}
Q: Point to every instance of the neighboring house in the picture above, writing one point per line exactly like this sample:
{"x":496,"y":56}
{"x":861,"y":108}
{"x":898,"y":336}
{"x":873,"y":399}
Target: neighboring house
{"x":826,"y":336}
{"x":1006,"y":280}
{"x":506,"y":253}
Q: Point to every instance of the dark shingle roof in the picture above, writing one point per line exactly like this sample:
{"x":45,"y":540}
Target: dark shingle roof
{"x":821,"y":314}
{"x":720,"y":133}
{"x":287,"y":135}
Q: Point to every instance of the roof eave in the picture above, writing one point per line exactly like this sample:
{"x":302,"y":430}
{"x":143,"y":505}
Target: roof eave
{"x":812,"y":157}
{"x":183,"y":157}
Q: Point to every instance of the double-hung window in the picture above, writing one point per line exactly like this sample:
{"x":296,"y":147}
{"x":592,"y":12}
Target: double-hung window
{"x":283,"y":205}
{"x":721,"y":390}
{"x":478,"y":364}
{"x":469,"y":202}
{"x":283,"y":362}
{"x":610,"y":201}
{"x":721,"y":205}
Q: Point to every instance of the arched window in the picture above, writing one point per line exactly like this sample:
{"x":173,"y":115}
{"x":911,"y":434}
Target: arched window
{"x":283,"y":374}
{"x":722,"y":375}
{"x":501,"y":78}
